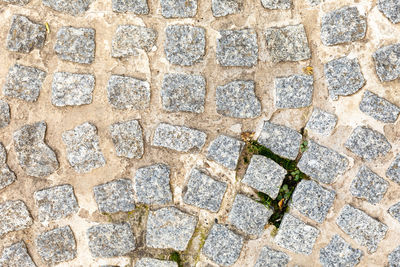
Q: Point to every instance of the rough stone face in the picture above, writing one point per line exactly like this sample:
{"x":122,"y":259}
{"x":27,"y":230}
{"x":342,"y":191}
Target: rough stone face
{"x":70,"y":7}
{"x":17,"y":2}
{"x":287,"y":43}
{"x":339,"y":253}
{"x":4,"y":114}
{"x":55,"y":202}
{"x":226,"y":151}
{"x":127,"y":137}
{"x":203,"y":191}
{"x":25,"y":35}
{"x":72,"y":89}
{"x":271,"y":257}
{"x":183,"y":92}
{"x":129,"y":38}
{"x":184,"y":44}
{"x":83,"y":148}
{"x":280,"y":139}
{"x":314,"y":2}
{"x":379,"y":108}
{"x":277,"y":4}
{"x":178,"y":8}
{"x":394,"y":257}
{"x":222,"y":245}
{"x":179,"y":138}
{"x":76,"y":44}
{"x":294,"y":91}
{"x":295,"y":235}
{"x":7,"y":176}
{"x":35,"y":157}
{"x":237,"y":99}
{"x":24,"y":82}
{"x":222,"y":8}
{"x":149,"y":262}
{"x":237,"y":48}
{"x":387,"y":62}
{"x":390,"y":9}
{"x":152,"y":186}
{"x":322,"y":164}
{"x":321,"y":122}
{"x":265,"y":175}
{"x":115,"y":196}
{"x":14,"y":216}
{"x":110,"y":240}
{"x":138,"y":7}
{"x":368,"y":185}
{"x":169,"y":228}
{"x":312,"y":200}
{"x":367,"y":143}
{"x":361,"y":227}
{"x":57,"y":245}
{"x":16,"y":255}
{"x":393,"y":172}
{"x":343,"y":25}
{"x":394,"y":211}
{"x":128,"y":93}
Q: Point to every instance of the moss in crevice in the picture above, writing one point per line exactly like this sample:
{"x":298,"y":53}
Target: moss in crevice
{"x":176,"y":257}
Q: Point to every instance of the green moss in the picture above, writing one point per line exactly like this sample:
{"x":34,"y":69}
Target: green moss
{"x":174,"y":256}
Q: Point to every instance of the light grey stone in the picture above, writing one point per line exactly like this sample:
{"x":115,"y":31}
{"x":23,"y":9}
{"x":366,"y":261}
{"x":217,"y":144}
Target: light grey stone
{"x":149,"y":262}
{"x":272,"y":258}
{"x":16,"y":2}
{"x":178,"y":8}
{"x":368,"y":185}
{"x":393,"y":172}
{"x":387,"y":62}
{"x":4,"y":114}
{"x":129,"y":38}
{"x":277,"y":4}
{"x":127,"y":137}
{"x":221,"y":8}
{"x":226,"y":151}
{"x":390,"y":9}
{"x":14,"y":216}
{"x":138,"y":7}
{"x":339,"y":253}
{"x":394,"y":257}
{"x":115,"y":196}
{"x":314,"y":2}
{"x":70,"y":7}
{"x":16,"y":255}
{"x":321,"y":122}
{"x":7,"y":176}
{"x":394,"y":211}
{"x":379,"y":108}
{"x":294,"y":91}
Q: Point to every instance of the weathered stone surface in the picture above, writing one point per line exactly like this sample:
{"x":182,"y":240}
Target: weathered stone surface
{"x":222,"y":8}
{"x":179,"y":138}
{"x":314,"y":2}
{"x":271,"y":257}
{"x":126,"y":92}
{"x":183,"y":92}
{"x":367,"y":143}
{"x":178,"y":8}
{"x":379,"y":108}
{"x":222,"y":245}
{"x":339,"y":253}
{"x":57,"y":245}
{"x":321,"y":122}
{"x":203,"y":191}
{"x":364,"y":229}
{"x":184,"y":45}
{"x":14,"y":216}
{"x":24,"y":82}
{"x":237,"y":99}
{"x":152,"y":184}
{"x":25,"y":35}
{"x":7,"y":176}
{"x":169,"y":228}
{"x":129,"y":38}
{"x":138,"y":7}
{"x":115,"y":196}
{"x":343,"y":25}
{"x":83,"y":148}
{"x":312,"y":200}
{"x":149,"y":262}
{"x":17,"y":2}
{"x":295,"y":235}
{"x":393,"y":172}
{"x":56,"y":202}
{"x":110,"y":240}
{"x":391,"y":9}
{"x":322,"y":164}
{"x":277,"y":4}
{"x":16,"y":255}
{"x":287,"y":43}
{"x":226,"y":151}
{"x":368,"y":185}
{"x":70,"y":7}
{"x":76,"y":44}
{"x":127,"y":137}
{"x":394,"y":211}
{"x":280,"y":139}
{"x":394,"y":257}
{"x":294,"y":91}
{"x":4,"y":114}
{"x":387,"y":62}
{"x":35,"y":157}
{"x":237,"y":48}
{"x":72,"y":89}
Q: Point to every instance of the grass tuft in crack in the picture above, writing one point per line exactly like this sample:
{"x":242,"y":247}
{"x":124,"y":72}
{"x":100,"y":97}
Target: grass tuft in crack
{"x":174,"y":256}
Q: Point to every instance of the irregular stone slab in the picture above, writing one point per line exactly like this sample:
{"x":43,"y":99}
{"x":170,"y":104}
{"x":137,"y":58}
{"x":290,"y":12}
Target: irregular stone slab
{"x":314,"y":2}
{"x":287,"y":43}
{"x":226,"y":151}
{"x":169,"y":228}
{"x":312,"y":200}
{"x":390,"y":9}
{"x":149,"y":262}
{"x":295,"y":235}
{"x":57,"y":245}
{"x":271,"y":257}
{"x":368,"y":185}
{"x":183,"y":92}
{"x":394,"y":211}
{"x":152,"y":184}
{"x":25,"y":35}
{"x":221,"y":8}
{"x":127,"y":137}
{"x":203,"y":191}
{"x":24,"y":82}
{"x":394,"y":257}
{"x":72,"y":89}
{"x":70,"y":7}
{"x":55,"y":202}
{"x":322,"y":164}
{"x":184,"y":44}
{"x":110,"y":240}
{"x":280,"y":139}
{"x":115,"y":196}
{"x":379,"y":108}
{"x":387,"y":62}
{"x":17,"y":2}
{"x":265,"y":175}
{"x":14,"y":216}
{"x":294,"y":91}
{"x":129,"y":38}
{"x":35,"y":157}
{"x":343,"y":25}
{"x":361,"y":227}
{"x":339,"y":253}
{"x":138,"y":7}
{"x":277,"y":4}
{"x":393,"y":172}
{"x":222,"y":245}
{"x":4,"y":114}
{"x":178,"y":8}
{"x":237,"y":99}
{"x":83,"y":148}
{"x":16,"y":255}
{"x":76,"y":44}
{"x":237,"y":48}
{"x":7,"y":176}
{"x":367,"y":143}
{"x":126,"y":92}
{"x":179,"y":138}
{"x":321,"y":122}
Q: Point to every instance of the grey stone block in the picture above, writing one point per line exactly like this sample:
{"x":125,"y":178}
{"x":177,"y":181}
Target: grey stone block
{"x":138,"y":7}
{"x":16,"y":255}
{"x":178,"y":8}
{"x":271,"y":257}
{"x":129,"y":38}
{"x":368,"y":185}
{"x":14,"y":216}
{"x":7,"y":176}
{"x":379,"y":108}
{"x":390,"y":9}
{"x":321,"y":122}
{"x":394,"y":257}
{"x":339,"y":253}
{"x":115,"y":196}
{"x":294,"y":91}
{"x":393,"y":172}
{"x":70,"y":7}
{"x":17,"y":2}
{"x":4,"y":114}
{"x":277,"y":4}
{"x":221,"y":8}
{"x":226,"y":151}
{"x":314,"y":2}
{"x":127,"y":137}
{"x":387,"y":62}
{"x":394,"y":211}
{"x":149,"y":262}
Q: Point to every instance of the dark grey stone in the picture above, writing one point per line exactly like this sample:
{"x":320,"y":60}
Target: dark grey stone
{"x":4,"y":114}
{"x":226,"y":151}
{"x":138,"y":7}
{"x":16,"y":2}
{"x":16,"y":255}
{"x":387,"y":62}
{"x":321,"y":122}
{"x":277,"y":4}
{"x":294,"y":91}
{"x":178,"y":8}
{"x":70,"y":7}
{"x":339,"y":253}
{"x":127,"y":137}
{"x":390,"y":9}
{"x":379,"y":108}
{"x":129,"y":38}
{"x":368,"y":185}
{"x":115,"y":196}
{"x":272,"y":258}
{"x":394,"y":257}
{"x":393,"y":172}
{"x":149,"y":262}
{"x":7,"y":176}
{"x":221,"y":8}
{"x":14,"y":216}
